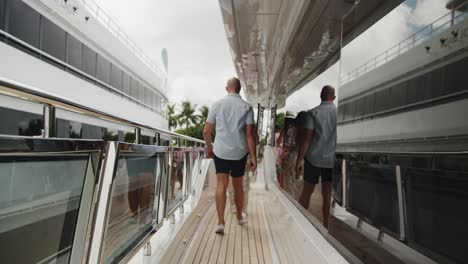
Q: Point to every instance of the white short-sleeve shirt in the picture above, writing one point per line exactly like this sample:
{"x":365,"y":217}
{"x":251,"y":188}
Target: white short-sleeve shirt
{"x":322,"y":120}
{"x":230,"y":115}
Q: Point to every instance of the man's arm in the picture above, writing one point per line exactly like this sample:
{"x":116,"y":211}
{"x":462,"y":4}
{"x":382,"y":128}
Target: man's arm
{"x":208,"y":136}
{"x":303,"y":149}
{"x":252,"y":146}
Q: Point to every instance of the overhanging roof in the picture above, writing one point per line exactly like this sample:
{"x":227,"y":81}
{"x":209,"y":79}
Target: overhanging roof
{"x":278,"y":46}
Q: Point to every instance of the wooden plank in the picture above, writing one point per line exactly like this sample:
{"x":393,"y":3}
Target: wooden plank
{"x":221,"y":256}
{"x":264,"y":238}
{"x":245,"y":244}
{"x":208,"y":230}
{"x":251,"y":236}
{"x":198,"y":238}
{"x":177,"y":247}
{"x":238,"y":243}
{"x":231,"y":241}
{"x":256,"y":229}
{"x":210,"y":243}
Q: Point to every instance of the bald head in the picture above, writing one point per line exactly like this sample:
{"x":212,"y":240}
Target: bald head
{"x":233,"y":85}
{"x":327,"y":93}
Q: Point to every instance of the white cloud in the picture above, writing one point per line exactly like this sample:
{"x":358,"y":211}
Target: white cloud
{"x":193,"y":33}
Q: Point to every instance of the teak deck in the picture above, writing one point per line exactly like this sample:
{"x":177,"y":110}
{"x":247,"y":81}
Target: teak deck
{"x":269,"y":234}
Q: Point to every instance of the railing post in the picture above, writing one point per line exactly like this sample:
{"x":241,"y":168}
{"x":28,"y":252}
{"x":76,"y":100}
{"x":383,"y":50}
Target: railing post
{"x":49,"y":121}
{"x":401,"y":203}
{"x":137,"y":135}
{"x":158,"y":139}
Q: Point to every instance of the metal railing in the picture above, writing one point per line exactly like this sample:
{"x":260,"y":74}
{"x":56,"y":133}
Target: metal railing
{"x":113,"y":196}
{"x":22,"y":91}
{"x":100,"y":15}
{"x":436,"y":27}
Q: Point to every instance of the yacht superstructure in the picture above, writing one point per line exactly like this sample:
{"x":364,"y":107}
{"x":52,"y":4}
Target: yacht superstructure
{"x":90,"y":174}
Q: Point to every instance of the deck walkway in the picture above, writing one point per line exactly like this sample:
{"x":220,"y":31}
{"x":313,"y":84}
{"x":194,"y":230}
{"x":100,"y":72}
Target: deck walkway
{"x":270,"y":236}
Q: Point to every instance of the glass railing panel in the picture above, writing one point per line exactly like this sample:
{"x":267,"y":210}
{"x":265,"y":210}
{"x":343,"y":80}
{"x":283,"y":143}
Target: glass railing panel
{"x":436,"y":202}
{"x":178,"y":177}
{"x":373,"y":195}
{"x":134,"y":199}
{"x":42,"y":208}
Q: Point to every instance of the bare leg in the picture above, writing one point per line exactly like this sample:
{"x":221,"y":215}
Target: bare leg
{"x":307,"y":191}
{"x":238,"y":195}
{"x":221,"y":187}
{"x":326,"y":199}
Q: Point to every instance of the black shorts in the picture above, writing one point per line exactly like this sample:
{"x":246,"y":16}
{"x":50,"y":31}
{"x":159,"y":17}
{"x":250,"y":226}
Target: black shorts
{"x":312,"y":173}
{"x":236,"y":168}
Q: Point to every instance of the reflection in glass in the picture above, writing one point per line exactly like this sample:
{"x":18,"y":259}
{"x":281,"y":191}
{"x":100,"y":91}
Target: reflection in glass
{"x":131,"y":210}
{"x":176,"y":180}
{"x":39,"y":203}
{"x":15,"y":122}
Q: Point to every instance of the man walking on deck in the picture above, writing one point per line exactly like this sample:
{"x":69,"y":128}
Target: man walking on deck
{"x":233,"y":120}
{"x":317,"y":154}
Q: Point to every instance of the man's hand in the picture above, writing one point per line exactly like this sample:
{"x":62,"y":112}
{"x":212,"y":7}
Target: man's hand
{"x":253,"y":163}
{"x":209,"y":151}
{"x":299,"y":167}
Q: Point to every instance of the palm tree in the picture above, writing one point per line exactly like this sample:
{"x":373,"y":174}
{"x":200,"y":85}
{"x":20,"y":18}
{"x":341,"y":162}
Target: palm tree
{"x":203,"y":115}
{"x":187,"y":114}
{"x":171,"y":116}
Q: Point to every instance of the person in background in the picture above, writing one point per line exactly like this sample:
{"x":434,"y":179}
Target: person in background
{"x":233,"y":120}
{"x":317,"y":154}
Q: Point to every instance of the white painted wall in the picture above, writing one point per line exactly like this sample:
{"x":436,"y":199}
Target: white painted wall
{"x":43,"y":77}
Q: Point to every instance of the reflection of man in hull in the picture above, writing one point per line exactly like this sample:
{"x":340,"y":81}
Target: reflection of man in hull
{"x":176,"y":174}
{"x":141,"y":171}
{"x":319,"y":145}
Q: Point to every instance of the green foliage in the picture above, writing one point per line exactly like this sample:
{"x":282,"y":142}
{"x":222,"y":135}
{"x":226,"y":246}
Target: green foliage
{"x":279,"y":121}
{"x":171,"y":116}
{"x":189,"y":121}
{"x":187,"y":115}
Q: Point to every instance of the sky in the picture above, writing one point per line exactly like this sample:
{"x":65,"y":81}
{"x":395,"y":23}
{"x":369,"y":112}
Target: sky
{"x":199,"y":57}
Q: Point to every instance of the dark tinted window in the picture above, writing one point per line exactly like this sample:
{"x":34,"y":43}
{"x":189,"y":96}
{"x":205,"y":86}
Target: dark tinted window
{"x":68,"y":129}
{"x":360,"y":107}
{"x":111,"y":134}
{"x":24,"y":22}
{"x":457,"y":77}
{"x":141,"y":92}
{"x":92,"y":132}
{"x":436,"y":82}
{"x":103,"y":69}
{"x":20,"y":123}
{"x":398,"y":95}
{"x":2,"y":14}
{"x":53,"y":39}
{"x":134,"y":88}
{"x":381,"y":100}
{"x":89,"y":61}
{"x":149,"y":97}
{"x":155,"y":101}
{"x":341,"y":108}
{"x":116,"y":77}
{"x":369,"y":102}
{"x":74,"y":52}
{"x":125,"y":83}
{"x":415,"y":90}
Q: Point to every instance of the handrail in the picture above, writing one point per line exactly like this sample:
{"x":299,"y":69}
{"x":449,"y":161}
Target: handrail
{"x":405,"y":45}
{"x":100,"y":15}
{"x":11,"y":88}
